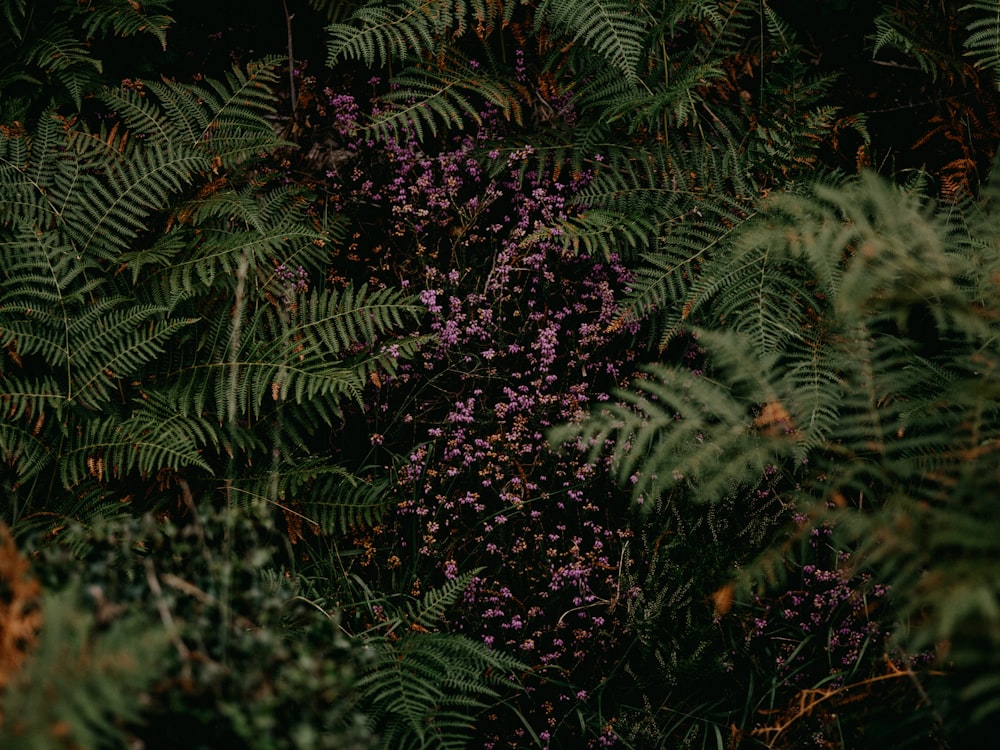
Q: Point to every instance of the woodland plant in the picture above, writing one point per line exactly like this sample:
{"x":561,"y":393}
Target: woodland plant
{"x":168,"y":634}
{"x":654,"y":185}
{"x":874,"y":391}
{"x":161,"y":355}
{"x":520,"y":342}
{"x":334,"y":447}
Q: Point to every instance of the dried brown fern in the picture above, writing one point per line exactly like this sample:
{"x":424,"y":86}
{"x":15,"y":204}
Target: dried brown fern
{"x":20,"y":613}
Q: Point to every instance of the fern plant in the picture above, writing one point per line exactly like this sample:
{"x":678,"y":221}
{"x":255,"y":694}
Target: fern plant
{"x":983,"y":40}
{"x":851,"y":332}
{"x":905,"y":28}
{"x":427,"y":686}
{"x":162,"y":322}
{"x":46,"y":46}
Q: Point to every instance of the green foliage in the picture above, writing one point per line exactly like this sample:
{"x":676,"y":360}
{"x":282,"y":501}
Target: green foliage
{"x":899,"y":28}
{"x":429,"y":96}
{"x":427,"y":687}
{"x":45,"y":54}
{"x":375,"y":35}
{"x":338,"y":501}
{"x":852,"y":337}
{"x":658,"y":428}
{"x":158,"y":314}
{"x":911,"y":28}
{"x":652,"y":89}
{"x":983,"y":40}
{"x":82,"y":679}
{"x":174,"y":336}
{"x":610,"y":28}
{"x":172,"y":635}
{"x":334,"y":10}
{"x":439,"y":86}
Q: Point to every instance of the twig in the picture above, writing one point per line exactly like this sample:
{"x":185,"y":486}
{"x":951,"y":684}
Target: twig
{"x":204,"y":597}
{"x":291,"y":57}
{"x":168,"y":619}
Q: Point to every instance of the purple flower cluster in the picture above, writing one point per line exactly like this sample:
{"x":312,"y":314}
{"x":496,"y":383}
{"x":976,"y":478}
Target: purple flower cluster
{"x":522,"y":340}
{"x":830,"y":606}
{"x":295,"y":281}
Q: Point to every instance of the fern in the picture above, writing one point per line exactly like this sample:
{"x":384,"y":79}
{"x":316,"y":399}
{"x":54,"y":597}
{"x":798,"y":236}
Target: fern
{"x":983,"y":40}
{"x":374,"y":35}
{"x":427,"y":687}
{"x":224,"y":120}
{"x":335,"y":500}
{"x":156,"y":312}
{"x":124,"y":18}
{"x":147,"y":442}
{"x":427,"y":97}
{"x":47,"y":50}
{"x":873,"y":385}
{"x":334,"y":10}
{"x":658,"y":429}
{"x":909,"y":29}
{"x":609,"y":28}
{"x":299,"y":357}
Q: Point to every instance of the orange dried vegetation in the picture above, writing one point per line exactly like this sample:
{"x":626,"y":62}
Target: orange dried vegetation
{"x":20,"y":610}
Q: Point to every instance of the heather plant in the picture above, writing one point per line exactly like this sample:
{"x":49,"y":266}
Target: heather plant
{"x":521,"y":341}
{"x":819,"y":640}
{"x":828,"y":605}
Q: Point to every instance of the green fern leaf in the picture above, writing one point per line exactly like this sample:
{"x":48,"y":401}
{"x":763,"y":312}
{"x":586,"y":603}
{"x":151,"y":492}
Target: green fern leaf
{"x":611,"y":29}
{"x":124,"y":18}
{"x":983,"y":40}
{"x":377,"y":34}
{"x":427,"y":687}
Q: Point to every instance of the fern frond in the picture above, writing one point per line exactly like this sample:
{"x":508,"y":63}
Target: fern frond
{"x":427,"y":687}
{"x":983,"y":40}
{"x":63,"y":55}
{"x":893,"y":32}
{"x":334,"y":321}
{"x":658,"y":198}
{"x":672,"y":106}
{"x":423,"y":99}
{"x":222,"y":123}
{"x":334,"y":499}
{"x":119,"y":204}
{"x":611,"y":29}
{"x":436,"y":602}
{"x":299,"y":355}
{"x":658,"y":426}
{"x":335,"y":11}
{"x":109,"y":343}
{"x":146,"y":442}
{"x":877,"y":384}
{"x":25,"y":453}
{"x":125,"y":18}
{"x":377,"y":34}
{"x":225,"y":120}
{"x":14,"y":14}
{"x":213,"y":235}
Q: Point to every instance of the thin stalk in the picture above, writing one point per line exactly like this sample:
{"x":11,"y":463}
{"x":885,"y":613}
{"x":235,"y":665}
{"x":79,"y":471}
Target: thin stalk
{"x":291,"y":56}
